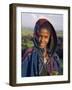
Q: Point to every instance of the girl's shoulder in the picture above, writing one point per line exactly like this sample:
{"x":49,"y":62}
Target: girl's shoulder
{"x":27,"y":53}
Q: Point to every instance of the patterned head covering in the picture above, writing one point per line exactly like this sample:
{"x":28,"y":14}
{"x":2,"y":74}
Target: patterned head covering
{"x":44,"y":23}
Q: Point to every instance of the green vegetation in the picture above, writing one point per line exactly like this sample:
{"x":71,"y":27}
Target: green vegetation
{"x":26,"y":32}
{"x":60,"y":34}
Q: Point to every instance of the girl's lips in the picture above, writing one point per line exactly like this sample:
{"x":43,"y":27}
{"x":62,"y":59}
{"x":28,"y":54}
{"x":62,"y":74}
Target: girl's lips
{"x":42,"y":44}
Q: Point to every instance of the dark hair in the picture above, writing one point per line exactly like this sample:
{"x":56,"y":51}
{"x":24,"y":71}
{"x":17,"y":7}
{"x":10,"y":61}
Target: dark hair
{"x":44,"y":23}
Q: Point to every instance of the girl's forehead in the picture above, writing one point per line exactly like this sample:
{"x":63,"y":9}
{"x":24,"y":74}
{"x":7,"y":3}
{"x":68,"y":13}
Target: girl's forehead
{"x":44,"y":30}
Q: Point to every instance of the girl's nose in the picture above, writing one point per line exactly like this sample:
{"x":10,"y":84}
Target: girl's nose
{"x":42,"y":39}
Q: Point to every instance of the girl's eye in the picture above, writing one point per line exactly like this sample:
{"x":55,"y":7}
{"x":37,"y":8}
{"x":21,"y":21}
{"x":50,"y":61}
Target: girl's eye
{"x":46,"y":36}
{"x":43,"y":36}
{"x":40,"y":36}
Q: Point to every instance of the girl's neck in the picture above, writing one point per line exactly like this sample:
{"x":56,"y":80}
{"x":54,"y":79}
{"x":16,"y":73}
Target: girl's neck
{"x":45,"y":54}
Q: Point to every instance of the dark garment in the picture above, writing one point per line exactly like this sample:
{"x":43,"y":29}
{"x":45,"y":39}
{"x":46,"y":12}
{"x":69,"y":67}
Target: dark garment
{"x":33,"y":65}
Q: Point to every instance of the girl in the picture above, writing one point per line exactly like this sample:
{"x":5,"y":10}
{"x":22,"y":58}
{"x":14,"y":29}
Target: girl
{"x":41,"y":60}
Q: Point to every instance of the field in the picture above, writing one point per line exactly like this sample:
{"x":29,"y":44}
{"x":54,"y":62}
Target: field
{"x":26,"y":31}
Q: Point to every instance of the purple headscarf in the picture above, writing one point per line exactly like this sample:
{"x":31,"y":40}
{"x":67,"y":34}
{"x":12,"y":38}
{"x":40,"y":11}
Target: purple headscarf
{"x":44,"y":23}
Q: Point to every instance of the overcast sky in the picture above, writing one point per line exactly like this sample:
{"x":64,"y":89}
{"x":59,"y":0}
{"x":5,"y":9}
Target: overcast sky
{"x":29,"y":20}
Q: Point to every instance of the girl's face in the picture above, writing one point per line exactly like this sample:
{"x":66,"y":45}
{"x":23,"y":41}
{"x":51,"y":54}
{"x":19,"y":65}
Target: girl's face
{"x":43,"y":38}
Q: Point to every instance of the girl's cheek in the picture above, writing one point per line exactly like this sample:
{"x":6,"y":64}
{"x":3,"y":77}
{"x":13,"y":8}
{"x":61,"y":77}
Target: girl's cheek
{"x":47,"y":40}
